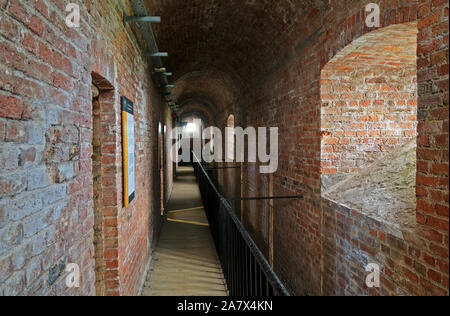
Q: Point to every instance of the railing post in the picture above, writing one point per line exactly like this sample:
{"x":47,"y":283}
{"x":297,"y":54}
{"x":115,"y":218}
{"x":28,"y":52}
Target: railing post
{"x":242,"y":193}
{"x":271,"y":220}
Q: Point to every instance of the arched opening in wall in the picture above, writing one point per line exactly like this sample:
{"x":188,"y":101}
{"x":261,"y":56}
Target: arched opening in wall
{"x":230,"y":150}
{"x":231,"y":175}
{"x":369,"y":123}
{"x":103,"y":98}
{"x":192,"y":128}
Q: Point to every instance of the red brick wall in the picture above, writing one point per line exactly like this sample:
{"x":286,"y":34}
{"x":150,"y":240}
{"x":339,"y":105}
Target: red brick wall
{"x":46,"y":201}
{"x":369,"y":99}
{"x":288,"y":96}
{"x":256,"y":213}
{"x":353,"y":240}
{"x":432,"y":152}
{"x":412,"y":262}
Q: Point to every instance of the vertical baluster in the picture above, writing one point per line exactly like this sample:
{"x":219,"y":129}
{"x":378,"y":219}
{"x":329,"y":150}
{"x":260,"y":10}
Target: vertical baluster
{"x":249,"y":273}
{"x":233,"y":271}
{"x":235,"y":261}
{"x":252,"y":275}
{"x":271,"y":291}
{"x":245,"y":271}
{"x":237,"y":254}
{"x":261,"y":284}
{"x":241,"y":267}
{"x":229,"y":242}
{"x":256,"y":276}
{"x":227,"y":246}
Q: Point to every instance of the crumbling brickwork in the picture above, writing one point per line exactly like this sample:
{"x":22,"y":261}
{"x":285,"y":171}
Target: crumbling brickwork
{"x":46,"y":136}
{"x":433,"y":146}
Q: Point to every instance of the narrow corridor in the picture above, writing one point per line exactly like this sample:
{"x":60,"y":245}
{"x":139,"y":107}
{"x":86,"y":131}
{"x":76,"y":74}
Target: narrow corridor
{"x":320,"y":131}
{"x":185,"y":262}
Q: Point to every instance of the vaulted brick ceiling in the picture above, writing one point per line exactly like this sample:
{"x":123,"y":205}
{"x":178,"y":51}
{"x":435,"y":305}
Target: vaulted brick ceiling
{"x":236,"y":41}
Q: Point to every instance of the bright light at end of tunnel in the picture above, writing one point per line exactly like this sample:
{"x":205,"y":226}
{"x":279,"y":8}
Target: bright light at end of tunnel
{"x":191,"y":128}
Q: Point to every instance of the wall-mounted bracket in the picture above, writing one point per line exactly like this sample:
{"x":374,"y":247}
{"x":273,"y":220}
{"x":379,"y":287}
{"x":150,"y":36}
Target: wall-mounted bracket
{"x":138,"y":19}
{"x":156,"y":54}
{"x":143,"y":21}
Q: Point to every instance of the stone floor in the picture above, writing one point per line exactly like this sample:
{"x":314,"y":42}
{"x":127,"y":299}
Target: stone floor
{"x":385,"y":190}
{"x":185,"y":262}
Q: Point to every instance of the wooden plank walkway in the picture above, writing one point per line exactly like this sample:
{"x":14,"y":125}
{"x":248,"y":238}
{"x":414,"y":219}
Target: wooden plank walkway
{"x":185,"y":262}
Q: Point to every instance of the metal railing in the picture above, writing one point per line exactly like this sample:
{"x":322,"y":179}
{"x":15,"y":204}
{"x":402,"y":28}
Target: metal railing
{"x":246,"y":270}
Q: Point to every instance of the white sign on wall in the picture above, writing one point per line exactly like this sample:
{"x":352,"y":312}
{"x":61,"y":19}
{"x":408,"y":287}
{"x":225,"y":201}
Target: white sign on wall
{"x":128,"y":151}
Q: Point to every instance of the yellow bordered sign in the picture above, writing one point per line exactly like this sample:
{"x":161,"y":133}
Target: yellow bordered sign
{"x":128,"y":143}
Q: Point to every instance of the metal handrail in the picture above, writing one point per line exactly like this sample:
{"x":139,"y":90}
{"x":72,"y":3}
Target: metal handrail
{"x":246,"y":270}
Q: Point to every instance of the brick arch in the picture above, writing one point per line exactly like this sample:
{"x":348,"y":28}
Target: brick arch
{"x":344,"y":24}
{"x":195,"y":114}
{"x":231,"y":120}
{"x":288,"y":96}
{"x":241,"y":39}
{"x":347,"y":22}
{"x":102,"y":64}
{"x":199,"y":106}
{"x":412,"y":262}
{"x":230,"y":178}
{"x":230,"y":147}
{"x":105,"y":183}
{"x":212,"y":89}
{"x":369,"y":100}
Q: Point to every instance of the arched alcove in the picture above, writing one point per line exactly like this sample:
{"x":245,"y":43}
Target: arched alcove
{"x":369,"y":124}
{"x":230,"y":147}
